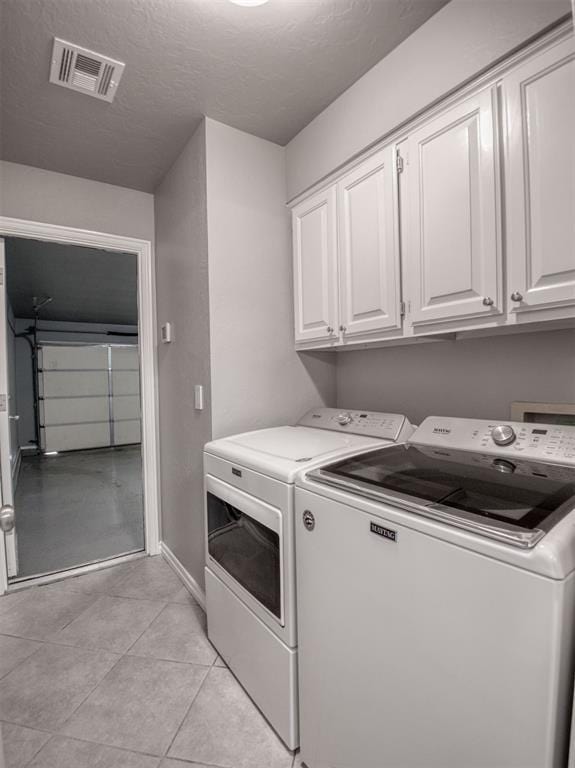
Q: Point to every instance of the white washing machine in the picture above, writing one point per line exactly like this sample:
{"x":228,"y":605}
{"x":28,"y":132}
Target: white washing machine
{"x":436,"y":600}
{"x":250,"y":559}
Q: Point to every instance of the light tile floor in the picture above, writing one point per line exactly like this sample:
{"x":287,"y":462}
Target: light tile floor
{"x":114,"y":669}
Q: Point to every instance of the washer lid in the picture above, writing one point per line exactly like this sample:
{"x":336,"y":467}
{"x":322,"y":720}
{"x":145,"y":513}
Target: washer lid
{"x":283,"y":451}
{"x":293,"y":443}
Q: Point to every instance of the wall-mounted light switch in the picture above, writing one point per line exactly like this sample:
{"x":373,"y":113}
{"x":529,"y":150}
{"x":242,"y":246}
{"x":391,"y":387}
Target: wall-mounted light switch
{"x":166,"y":333}
{"x":198,"y":397}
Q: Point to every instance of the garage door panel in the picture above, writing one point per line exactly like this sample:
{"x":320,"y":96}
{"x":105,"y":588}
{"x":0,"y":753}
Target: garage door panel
{"x":74,"y":437}
{"x":73,"y":383}
{"x":74,"y":410}
{"x":125,"y":359}
{"x":126,"y":407}
{"x":127,"y":432}
{"x":70,"y":358}
{"x":125,"y":382}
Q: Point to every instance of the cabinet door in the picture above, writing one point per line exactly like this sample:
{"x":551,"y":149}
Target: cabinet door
{"x":539,"y":99}
{"x":315,"y":267}
{"x":453,"y":259}
{"x":369,"y":253}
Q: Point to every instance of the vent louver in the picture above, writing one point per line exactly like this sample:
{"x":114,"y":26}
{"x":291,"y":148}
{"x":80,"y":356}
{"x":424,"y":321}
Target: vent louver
{"x":85,"y":71}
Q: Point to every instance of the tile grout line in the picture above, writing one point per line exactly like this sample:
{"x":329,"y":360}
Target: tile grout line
{"x":56,"y":735}
{"x":34,"y":652}
{"x":94,"y":601}
{"x":30,"y":727}
{"x":90,"y":692}
{"x":53,"y":641}
{"x":182,"y":721}
{"x":157,"y":616}
{"x":35,"y":755}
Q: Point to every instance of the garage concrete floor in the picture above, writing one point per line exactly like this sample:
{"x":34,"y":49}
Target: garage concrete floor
{"x":77,"y":508}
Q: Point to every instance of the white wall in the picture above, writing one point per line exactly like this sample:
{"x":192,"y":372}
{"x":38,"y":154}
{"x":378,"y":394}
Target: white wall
{"x":477,"y":378}
{"x":52,"y":330}
{"x":55,"y":198}
{"x":258,"y":380}
{"x":462,"y":39}
{"x":182,"y":298}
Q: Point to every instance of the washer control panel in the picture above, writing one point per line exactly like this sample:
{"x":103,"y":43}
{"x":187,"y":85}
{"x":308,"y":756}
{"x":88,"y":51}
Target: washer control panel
{"x":544,"y":442}
{"x":387,"y":426}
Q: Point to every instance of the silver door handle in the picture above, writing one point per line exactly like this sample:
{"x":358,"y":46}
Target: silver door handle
{"x":516,"y":296}
{"x":329,"y":329}
{"x":14,"y":417}
{"x":488,"y":301}
{"x":6,"y":518}
{"x":342,"y":328}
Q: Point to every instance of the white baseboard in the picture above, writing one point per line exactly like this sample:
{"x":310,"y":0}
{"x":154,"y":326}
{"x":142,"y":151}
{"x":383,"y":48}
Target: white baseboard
{"x":189,"y":582}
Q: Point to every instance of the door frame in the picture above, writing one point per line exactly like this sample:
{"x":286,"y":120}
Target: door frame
{"x":10,"y":227}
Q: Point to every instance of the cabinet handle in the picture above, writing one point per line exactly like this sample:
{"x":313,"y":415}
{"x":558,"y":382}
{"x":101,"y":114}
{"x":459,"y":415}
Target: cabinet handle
{"x":342,"y":328}
{"x":487,"y":301}
{"x":329,"y":330}
{"x":516,"y":296}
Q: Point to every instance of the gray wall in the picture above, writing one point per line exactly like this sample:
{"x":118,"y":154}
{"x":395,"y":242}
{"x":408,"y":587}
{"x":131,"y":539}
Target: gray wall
{"x":182,"y":298}
{"x":55,"y":198}
{"x":460,"y":40}
{"x":224,"y":281}
{"x":258,"y":380}
{"x":478,"y":378}
{"x":23,"y":361}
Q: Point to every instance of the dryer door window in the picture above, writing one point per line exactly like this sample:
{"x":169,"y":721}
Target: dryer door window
{"x":247,"y":550}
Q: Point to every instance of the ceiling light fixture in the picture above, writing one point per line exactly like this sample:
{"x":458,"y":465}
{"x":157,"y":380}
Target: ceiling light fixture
{"x":249,"y":3}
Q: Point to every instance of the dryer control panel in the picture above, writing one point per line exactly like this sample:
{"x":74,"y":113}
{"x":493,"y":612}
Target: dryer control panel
{"x":544,"y":442}
{"x":386,"y":426}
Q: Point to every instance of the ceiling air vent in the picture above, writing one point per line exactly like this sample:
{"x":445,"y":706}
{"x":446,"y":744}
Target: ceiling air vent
{"x":85,"y":71}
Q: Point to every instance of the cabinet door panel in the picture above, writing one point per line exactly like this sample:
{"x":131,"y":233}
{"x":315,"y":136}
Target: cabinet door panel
{"x":452,"y":234}
{"x":369,"y":254}
{"x":540,"y":108}
{"x":315,"y":274}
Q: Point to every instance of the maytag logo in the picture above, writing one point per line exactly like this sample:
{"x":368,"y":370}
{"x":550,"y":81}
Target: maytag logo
{"x":387,"y":533}
{"x":441,"y":431}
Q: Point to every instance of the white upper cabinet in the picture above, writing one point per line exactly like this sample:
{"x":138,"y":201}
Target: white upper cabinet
{"x":368,"y":247}
{"x":477,"y":232}
{"x":315,"y":268}
{"x":539,"y":98}
{"x":451,"y":253}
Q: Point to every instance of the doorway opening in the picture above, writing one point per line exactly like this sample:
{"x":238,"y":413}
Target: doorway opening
{"x":73,"y":350}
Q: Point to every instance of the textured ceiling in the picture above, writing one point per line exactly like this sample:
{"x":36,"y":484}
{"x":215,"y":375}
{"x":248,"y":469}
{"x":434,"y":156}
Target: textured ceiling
{"x":86,"y":285}
{"x":266,"y":70}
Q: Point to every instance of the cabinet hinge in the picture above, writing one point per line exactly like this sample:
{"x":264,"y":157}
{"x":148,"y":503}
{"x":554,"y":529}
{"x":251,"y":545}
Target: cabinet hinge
{"x":1,"y":275}
{"x":402,"y":309}
{"x":399,"y":162}
{"x":3,"y":403}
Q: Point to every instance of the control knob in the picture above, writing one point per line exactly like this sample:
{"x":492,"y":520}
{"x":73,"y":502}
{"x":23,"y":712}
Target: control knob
{"x":503,"y":434}
{"x":344,"y":419}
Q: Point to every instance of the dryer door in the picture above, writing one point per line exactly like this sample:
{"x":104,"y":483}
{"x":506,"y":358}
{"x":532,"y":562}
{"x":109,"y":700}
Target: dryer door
{"x":244,"y":539}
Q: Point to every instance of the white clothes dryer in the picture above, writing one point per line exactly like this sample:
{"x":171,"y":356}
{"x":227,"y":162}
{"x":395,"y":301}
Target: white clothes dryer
{"x":250,"y":553}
